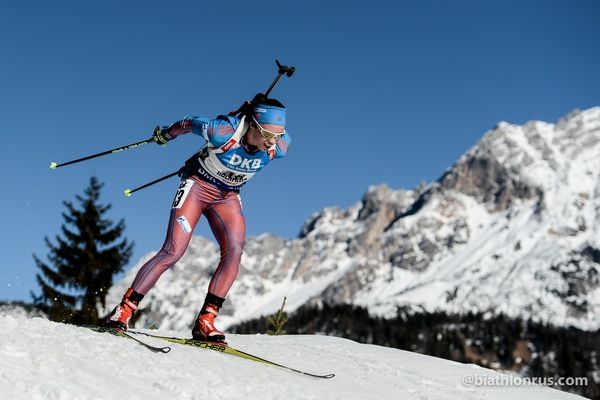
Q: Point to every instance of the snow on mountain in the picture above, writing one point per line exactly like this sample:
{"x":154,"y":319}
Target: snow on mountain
{"x":512,"y":226}
{"x":53,"y":361}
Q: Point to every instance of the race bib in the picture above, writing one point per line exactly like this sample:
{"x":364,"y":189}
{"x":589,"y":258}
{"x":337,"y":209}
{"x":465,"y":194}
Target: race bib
{"x":182,"y":193}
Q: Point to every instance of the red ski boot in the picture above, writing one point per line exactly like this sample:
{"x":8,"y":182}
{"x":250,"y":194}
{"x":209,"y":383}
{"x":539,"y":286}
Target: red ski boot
{"x":122,"y":313}
{"x":204,"y":326}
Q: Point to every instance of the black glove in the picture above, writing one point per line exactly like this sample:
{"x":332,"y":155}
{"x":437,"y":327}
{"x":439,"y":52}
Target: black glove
{"x":161,"y":136}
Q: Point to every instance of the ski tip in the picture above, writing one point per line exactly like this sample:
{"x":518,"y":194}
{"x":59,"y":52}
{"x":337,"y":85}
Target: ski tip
{"x":127,"y":192}
{"x":53,"y":165}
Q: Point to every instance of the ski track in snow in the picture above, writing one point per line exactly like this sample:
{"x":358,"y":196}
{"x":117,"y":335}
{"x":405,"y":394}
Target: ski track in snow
{"x":51,"y":361}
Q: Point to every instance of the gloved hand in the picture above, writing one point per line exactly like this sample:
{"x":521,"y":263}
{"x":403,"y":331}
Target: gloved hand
{"x":160,"y":135}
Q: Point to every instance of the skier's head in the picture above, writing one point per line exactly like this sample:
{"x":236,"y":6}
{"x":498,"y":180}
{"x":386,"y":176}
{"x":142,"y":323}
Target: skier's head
{"x":268,"y":116}
{"x":269,"y":111}
{"x":267,"y":123}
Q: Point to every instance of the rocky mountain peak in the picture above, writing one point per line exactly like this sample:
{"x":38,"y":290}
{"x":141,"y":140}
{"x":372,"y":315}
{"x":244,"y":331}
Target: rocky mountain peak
{"x":513,"y":226}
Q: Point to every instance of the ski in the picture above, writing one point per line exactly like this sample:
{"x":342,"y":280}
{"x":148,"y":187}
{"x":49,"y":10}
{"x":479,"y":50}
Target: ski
{"x":120,"y":333}
{"x":222,"y":347}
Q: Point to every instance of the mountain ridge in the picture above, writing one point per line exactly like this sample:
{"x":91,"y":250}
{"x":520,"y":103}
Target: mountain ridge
{"x":511,"y":227}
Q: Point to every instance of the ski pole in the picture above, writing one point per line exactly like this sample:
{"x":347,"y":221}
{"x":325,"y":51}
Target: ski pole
{"x":129,"y":192}
{"x":54,"y":165}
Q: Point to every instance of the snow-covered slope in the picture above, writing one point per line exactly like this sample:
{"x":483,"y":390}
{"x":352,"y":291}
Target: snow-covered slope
{"x":43,"y":360}
{"x":512,"y":227}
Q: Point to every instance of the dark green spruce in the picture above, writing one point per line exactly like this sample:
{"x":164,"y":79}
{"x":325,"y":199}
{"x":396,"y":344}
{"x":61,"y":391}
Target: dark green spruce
{"x":83,"y":260}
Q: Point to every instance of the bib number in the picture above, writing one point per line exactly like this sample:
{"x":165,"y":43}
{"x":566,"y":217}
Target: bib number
{"x":182,"y":192}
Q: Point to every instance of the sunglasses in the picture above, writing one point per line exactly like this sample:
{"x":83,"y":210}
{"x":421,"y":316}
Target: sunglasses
{"x":267,"y":134}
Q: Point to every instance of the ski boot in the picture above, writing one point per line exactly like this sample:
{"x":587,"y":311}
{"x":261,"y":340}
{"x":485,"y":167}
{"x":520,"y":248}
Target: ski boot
{"x":204,"y":327}
{"x":122,"y":313}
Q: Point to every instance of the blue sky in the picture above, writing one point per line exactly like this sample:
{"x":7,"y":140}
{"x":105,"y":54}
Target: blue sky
{"x":385,"y":92}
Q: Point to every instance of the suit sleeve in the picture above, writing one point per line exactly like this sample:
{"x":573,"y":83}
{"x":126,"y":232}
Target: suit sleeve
{"x":218,"y":131}
{"x":196,"y":125}
{"x":215,"y":131}
{"x":283,"y":145}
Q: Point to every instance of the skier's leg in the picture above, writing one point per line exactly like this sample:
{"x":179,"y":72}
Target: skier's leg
{"x":229,"y":227}
{"x":187,"y":207}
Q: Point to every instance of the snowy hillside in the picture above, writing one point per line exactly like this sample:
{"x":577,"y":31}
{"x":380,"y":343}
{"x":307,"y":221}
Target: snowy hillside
{"x":512,"y":227}
{"x":50,"y":361}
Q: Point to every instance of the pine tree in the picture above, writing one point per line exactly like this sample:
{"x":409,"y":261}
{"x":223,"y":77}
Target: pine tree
{"x":277,"y":321}
{"x":84,"y":261}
